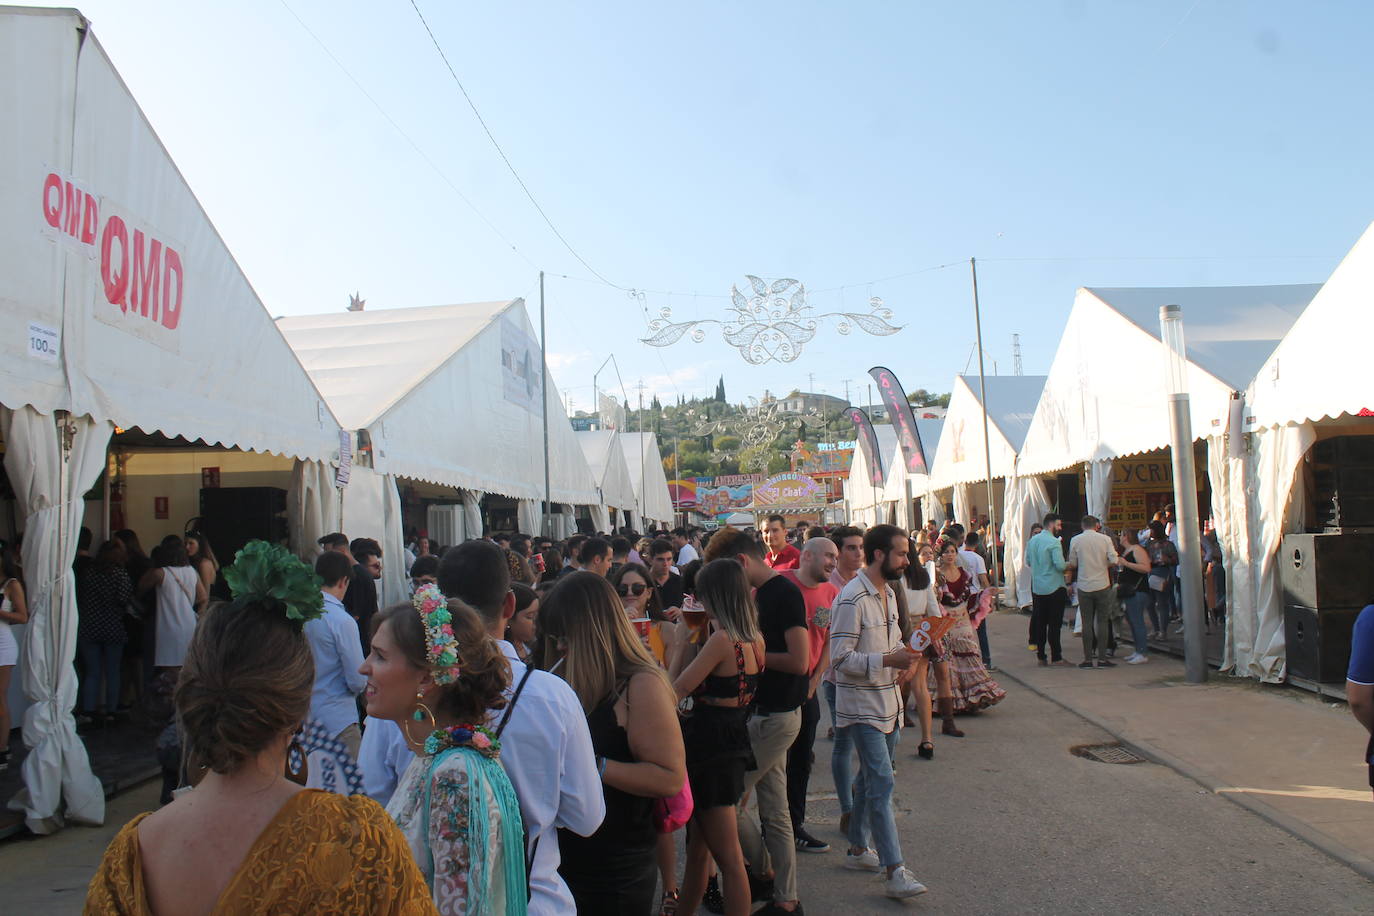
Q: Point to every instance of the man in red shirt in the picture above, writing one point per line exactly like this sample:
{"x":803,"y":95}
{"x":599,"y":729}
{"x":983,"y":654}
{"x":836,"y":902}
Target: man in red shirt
{"x":816,"y":562}
{"x":781,"y":555}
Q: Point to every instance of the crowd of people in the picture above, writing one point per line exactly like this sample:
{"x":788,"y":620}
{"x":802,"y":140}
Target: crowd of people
{"x":544,"y":726}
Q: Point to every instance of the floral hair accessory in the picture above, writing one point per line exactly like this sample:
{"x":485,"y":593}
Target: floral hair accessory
{"x":270,"y":575}
{"x":473,"y":736}
{"x":441,"y":648}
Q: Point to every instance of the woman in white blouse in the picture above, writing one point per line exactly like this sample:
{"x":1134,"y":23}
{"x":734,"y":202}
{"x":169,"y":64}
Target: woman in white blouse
{"x":918,"y":582}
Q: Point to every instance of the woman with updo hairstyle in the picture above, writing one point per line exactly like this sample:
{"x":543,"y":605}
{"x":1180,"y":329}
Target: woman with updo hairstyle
{"x":435,"y":672}
{"x":247,"y":838}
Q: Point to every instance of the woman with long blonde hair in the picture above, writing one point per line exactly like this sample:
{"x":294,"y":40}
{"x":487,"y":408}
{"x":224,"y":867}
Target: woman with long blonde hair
{"x":587,"y":640}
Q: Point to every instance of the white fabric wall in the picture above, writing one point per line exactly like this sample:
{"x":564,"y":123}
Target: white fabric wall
{"x":1275,"y":459}
{"x":58,"y":782}
{"x":601,"y":518}
{"x":963,"y":503}
{"x":372,"y":509}
{"x":1027,"y":503}
{"x":933,"y":508}
{"x":472,"y":514}
{"x":1229,"y":478}
{"x":528,"y":517}
{"x":312,"y":507}
{"x":1099,"y":478}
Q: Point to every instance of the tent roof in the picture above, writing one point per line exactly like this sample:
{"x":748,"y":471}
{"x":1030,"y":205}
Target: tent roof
{"x":1011,"y":403}
{"x":606,"y":459}
{"x":959,"y":457}
{"x":449,"y":394}
{"x":655,"y":503}
{"x":354,"y":356}
{"x":1321,"y":368}
{"x":1106,"y":395}
{"x":185,"y":348}
{"x":1229,"y":330}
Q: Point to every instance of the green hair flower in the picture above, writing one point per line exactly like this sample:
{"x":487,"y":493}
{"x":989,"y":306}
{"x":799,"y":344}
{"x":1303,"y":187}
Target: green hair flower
{"x":269,"y":573}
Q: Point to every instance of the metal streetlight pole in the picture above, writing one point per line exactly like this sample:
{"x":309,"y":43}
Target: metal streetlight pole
{"x":546,"y":522}
{"x":1185,"y":493}
{"x":987,"y":447}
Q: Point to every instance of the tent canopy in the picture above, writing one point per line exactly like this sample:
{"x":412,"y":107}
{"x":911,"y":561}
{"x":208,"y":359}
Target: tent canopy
{"x":1012,"y":400}
{"x":641,"y":451}
{"x":118,"y":298}
{"x":859,"y":490}
{"x":1320,"y":369}
{"x":448,"y":393}
{"x":606,"y":459}
{"x":1106,"y":395}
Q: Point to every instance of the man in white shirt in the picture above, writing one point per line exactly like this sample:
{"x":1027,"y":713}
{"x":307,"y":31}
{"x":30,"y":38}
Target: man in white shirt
{"x":867,"y":653}
{"x":383,"y":757}
{"x":686,"y":553}
{"x":333,"y":639}
{"x":1091,"y":557}
{"x":545,"y":746}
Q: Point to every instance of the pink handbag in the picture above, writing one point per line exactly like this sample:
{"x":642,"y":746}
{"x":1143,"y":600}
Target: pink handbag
{"x":673,"y":813}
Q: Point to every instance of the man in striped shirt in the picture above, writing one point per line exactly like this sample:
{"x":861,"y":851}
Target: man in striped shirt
{"x":867,"y":654}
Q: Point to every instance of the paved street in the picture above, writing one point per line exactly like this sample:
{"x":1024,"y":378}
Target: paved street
{"x":1006,"y":820}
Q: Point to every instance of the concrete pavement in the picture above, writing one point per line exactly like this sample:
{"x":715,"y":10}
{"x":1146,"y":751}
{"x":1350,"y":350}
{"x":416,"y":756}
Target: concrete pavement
{"x":1285,"y":754}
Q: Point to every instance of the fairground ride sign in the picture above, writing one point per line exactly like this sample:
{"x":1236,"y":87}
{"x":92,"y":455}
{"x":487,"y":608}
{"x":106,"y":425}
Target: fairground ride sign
{"x":788,"y":491}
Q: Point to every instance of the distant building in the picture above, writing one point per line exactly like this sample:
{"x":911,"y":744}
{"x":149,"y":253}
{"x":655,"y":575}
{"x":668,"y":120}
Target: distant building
{"x":802,"y":401}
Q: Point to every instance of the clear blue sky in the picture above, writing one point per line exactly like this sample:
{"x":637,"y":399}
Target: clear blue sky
{"x":1086,"y":143}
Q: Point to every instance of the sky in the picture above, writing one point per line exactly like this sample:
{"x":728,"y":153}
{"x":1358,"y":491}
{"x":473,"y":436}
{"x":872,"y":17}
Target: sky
{"x":865,"y":149}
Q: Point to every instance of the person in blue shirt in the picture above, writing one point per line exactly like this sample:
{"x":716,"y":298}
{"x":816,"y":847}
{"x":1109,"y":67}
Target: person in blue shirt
{"x":1359,"y":680}
{"x":333,"y":639}
{"x":1045,"y":557}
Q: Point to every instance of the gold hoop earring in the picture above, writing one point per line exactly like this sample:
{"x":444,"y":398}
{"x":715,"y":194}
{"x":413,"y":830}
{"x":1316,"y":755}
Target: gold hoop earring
{"x":418,"y":716}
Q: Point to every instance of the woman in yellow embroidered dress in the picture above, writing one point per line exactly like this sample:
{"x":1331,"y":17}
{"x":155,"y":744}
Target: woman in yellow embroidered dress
{"x":247,"y":839}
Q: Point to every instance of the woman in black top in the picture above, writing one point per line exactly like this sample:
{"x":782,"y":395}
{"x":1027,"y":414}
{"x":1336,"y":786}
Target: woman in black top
{"x":588,"y":640}
{"x":102,"y":594}
{"x":722,"y":680}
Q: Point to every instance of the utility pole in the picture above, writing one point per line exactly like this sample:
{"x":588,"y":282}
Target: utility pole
{"x":544,"y":396}
{"x":1185,"y":494}
{"x":983,"y":396}
{"x":846,"y":391}
{"x":639,"y":497}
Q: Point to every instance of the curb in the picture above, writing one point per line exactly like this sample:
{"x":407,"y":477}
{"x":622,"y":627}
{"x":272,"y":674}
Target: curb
{"x":1298,"y":828}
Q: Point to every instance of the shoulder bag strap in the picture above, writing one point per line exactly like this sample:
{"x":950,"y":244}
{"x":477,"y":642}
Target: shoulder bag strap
{"x":510,"y":707}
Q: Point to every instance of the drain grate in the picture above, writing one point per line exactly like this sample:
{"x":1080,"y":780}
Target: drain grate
{"x":1106,"y":753}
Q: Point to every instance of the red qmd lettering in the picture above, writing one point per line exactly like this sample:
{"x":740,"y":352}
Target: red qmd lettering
{"x":71,"y":209}
{"x":143,"y":294}
{"x":52,"y":200}
{"x":171,"y":308}
{"x":90,"y":215}
{"x":116,"y":281}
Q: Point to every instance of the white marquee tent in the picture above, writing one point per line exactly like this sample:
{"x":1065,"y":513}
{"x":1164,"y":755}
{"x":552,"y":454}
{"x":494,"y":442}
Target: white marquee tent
{"x":866,"y":503}
{"x":901,"y":486}
{"x":119,"y":305}
{"x":1315,"y":383}
{"x":646,"y":471}
{"x":1106,"y":397}
{"x":606,"y":459}
{"x":448,"y":394}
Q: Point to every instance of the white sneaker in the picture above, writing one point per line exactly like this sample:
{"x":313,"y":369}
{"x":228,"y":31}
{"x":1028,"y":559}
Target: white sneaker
{"x":903,"y":884}
{"x":864,"y":861}
{"x":1137,"y":659}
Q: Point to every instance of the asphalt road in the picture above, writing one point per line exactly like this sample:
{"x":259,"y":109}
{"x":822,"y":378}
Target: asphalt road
{"x":1006,"y":820}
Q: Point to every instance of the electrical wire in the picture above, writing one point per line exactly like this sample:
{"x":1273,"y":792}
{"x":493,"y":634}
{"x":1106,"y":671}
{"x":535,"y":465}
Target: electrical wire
{"x":504,"y":158}
{"x":415,"y":146}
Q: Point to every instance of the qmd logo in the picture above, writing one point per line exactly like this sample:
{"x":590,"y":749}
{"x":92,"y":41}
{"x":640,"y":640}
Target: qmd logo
{"x":140,"y":274}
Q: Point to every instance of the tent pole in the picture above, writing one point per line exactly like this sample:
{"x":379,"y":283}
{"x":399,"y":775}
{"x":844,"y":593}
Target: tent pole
{"x":544,"y":387}
{"x":987,"y":447}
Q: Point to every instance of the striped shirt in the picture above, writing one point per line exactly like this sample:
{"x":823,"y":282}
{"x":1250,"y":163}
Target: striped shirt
{"x":862,"y":631}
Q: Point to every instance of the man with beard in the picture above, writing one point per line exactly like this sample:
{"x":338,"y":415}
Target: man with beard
{"x":868,"y":656}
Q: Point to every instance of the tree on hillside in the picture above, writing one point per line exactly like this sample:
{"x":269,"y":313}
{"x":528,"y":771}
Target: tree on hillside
{"x":922,"y":398}
{"x":720,"y":390}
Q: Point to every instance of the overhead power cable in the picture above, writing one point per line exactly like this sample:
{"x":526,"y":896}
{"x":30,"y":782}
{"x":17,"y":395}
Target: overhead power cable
{"x":504,"y":158}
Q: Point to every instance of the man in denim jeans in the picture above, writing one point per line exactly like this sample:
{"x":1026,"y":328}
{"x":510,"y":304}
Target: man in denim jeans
{"x":868,"y":655}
